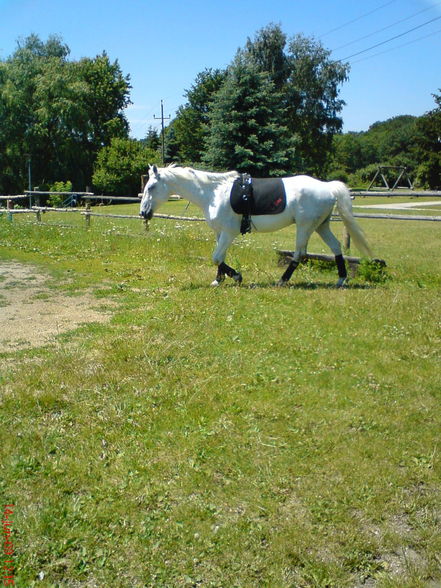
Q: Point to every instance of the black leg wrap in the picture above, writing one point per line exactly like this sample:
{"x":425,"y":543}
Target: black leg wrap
{"x":341,"y":266}
{"x":289,"y":271}
{"x":220,"y":276}
{"x":223,"y":269}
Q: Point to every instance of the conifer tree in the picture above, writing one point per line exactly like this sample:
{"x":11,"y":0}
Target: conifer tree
{"x":247,"y":132}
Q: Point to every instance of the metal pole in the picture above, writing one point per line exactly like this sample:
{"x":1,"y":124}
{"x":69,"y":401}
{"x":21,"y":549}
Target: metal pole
{"x":29,"y":178}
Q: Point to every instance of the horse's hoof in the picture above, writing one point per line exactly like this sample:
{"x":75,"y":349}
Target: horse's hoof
{"x":238,"y":278}
{"x":281,"y":283}
{"x":215,"y":283}
{"x":342,"y":282}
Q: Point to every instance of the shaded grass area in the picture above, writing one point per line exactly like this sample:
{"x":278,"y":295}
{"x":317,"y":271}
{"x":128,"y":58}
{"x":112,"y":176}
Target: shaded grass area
{"x":246,"y":436}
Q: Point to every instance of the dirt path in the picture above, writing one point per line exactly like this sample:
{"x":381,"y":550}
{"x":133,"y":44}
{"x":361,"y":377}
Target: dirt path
{"x":31,"y":314}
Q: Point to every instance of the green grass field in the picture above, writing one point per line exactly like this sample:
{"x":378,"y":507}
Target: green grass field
{"x":230,"y":437}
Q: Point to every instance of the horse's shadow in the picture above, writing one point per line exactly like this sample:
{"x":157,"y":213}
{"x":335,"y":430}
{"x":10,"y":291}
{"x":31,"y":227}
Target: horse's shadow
{"x":274,"y":286}
{"x":306,"y":286}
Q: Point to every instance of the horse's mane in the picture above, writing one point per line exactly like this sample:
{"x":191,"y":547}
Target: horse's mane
{"x":203,"y":177}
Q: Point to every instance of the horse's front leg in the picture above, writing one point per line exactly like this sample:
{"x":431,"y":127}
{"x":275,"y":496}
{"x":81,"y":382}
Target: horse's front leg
{"x":302,"y":237}
{"x":225,"y":270}
{"x":224,"y":240}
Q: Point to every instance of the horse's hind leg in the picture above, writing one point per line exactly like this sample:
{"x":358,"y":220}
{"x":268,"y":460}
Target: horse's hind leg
{"x":288,"y":272}
{"x":224,"y":240}
{"x":334,"y":244}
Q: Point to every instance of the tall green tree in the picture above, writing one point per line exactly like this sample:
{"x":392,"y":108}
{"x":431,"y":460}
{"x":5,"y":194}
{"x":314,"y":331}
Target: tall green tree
{"x":21,"y":135}
{"x":246,"y":130}
{"x":53,"y":137}
{"x":314,"y":107}
{"x":107,"y":98}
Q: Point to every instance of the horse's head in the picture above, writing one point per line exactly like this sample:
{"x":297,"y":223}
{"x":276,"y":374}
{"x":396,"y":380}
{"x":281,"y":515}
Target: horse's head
{"x":155,"y":193}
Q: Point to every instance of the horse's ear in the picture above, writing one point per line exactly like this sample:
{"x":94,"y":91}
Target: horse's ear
{"x":153,"y":169}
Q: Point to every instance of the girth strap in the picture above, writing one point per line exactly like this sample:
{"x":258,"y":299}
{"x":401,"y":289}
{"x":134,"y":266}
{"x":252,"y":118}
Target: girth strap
{"x":247,"y":201}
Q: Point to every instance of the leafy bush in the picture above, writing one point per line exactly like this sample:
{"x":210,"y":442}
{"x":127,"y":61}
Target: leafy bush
{"x":57,"y":200}
{"x":119,"y":167}
{"x":429,"y":172}
{"x":373,"y":270}
{"x":338,"y":174}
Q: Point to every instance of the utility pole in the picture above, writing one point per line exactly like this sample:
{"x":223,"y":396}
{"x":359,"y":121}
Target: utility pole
{"x":163,"y":118}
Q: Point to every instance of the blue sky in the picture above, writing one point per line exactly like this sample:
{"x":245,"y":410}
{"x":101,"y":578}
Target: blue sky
{"x":164,"y":45}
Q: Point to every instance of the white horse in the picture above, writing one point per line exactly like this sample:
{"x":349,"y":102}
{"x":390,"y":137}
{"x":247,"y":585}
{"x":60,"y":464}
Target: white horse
{"x":309,"y":204}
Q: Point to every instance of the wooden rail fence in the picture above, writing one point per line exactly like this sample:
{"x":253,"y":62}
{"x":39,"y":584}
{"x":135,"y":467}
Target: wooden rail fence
{"x":284,"y":256}
{"x":87,"y":213}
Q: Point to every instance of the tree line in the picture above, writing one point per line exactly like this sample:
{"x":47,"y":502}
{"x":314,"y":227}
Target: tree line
{"x":403,"y":141}
{"x":275,"y":110}
{"x":57,"y":115}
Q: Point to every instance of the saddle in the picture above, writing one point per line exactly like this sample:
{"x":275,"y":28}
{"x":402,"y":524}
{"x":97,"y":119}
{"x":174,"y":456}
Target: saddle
{"x":256,"y":196}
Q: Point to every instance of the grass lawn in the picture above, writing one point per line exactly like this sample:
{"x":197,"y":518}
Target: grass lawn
{"x":230,"y":437}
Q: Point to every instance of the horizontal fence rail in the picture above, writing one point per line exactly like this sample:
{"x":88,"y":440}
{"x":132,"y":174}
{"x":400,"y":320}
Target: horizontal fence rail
{"x":88,"y":213}
{"x":135,"y":216}
{"x":183,"y":218}
{"x":397,"y":216}
{"x":398,"y":193}
{"x":91,"y":197}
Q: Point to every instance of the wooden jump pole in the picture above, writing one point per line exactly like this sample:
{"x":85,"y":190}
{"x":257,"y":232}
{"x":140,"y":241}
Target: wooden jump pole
{"x":353,"y":262}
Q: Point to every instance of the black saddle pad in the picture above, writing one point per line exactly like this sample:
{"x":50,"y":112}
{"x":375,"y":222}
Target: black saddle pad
{"x":267,"y":197}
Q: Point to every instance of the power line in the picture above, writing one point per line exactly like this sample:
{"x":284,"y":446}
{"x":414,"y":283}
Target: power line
{"x":358,"y":18}
{"x":397,"y":47}
{"x":390,"y":39}
{"x":384,"y":28}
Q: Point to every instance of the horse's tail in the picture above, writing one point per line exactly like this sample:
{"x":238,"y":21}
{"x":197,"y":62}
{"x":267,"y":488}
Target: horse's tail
{"x":344,"y":207}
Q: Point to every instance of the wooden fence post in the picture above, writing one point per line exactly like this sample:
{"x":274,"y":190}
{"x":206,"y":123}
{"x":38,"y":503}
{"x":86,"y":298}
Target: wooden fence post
{"x":9,"y":207}
{"x":87,"y":214}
